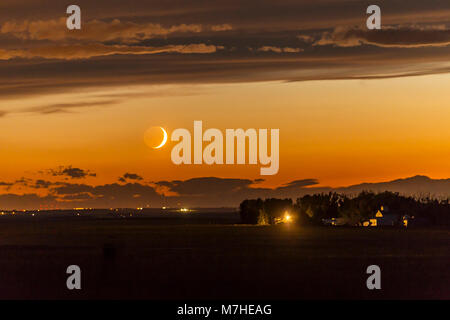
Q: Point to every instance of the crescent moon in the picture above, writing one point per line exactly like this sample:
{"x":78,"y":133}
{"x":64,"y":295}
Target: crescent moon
{"x":164,"y":139}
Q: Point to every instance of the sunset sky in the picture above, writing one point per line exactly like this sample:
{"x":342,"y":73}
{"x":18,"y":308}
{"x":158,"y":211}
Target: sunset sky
{"x":352,"y":105}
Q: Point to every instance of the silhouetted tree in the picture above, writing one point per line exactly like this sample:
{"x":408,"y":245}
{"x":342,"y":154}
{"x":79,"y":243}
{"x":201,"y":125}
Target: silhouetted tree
{"x":312,"y":209}
{"x":320,"y":206}
{"x":250,"y":210}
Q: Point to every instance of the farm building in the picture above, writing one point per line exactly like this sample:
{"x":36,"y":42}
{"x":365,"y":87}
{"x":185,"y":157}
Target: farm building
{"x":382,"y":218}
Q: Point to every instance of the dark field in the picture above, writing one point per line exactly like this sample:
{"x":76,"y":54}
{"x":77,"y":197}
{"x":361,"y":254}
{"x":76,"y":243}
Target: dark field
{"x":211,"y":258}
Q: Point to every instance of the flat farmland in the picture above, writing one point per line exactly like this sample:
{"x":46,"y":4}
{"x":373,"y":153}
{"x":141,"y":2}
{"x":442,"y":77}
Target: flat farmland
{"x":183,"y":258}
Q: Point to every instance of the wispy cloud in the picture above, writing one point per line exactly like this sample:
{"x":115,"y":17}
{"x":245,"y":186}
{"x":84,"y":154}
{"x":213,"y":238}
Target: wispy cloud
{"x":95,"y":30}
{"x":84,"y":51}
{"x":388,"y":37}
{"x":68,"y":107}
{"x":218,"y":42}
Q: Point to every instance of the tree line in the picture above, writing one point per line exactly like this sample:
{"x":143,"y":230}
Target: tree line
{"x":314,"y":209}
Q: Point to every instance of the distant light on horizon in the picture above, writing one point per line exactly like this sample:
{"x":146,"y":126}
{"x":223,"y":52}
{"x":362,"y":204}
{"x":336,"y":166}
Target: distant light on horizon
{"x":287,"y":217}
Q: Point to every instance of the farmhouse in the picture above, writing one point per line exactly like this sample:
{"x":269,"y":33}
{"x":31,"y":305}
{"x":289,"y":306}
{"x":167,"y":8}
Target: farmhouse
{"x":382,"y":218}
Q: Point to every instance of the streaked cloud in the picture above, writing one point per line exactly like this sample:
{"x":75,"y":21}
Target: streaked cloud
{"x":155,"y":43}
{"x":94,"y":30}
{"x":67,"y":107}
{"x":279,"y":50}
{"x":388,"y":37}
{"x":84,"y":51}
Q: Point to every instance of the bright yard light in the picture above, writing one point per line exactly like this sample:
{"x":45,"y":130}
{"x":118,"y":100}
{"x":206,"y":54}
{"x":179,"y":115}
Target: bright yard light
{"x":287,"y":217}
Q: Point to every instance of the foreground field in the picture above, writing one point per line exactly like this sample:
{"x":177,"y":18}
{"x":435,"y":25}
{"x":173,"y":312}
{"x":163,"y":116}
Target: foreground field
{"x":188,"y":259}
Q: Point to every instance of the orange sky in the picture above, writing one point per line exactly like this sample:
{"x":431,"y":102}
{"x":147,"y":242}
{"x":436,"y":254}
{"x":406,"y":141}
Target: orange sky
{"x":340,"y":132}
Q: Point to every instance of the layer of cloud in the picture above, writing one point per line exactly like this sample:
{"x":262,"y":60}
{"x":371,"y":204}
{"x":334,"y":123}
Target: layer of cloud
{"x":197,"y":192}
{"x":159,"y":43}
{"x":249,"y":14}
{"x":97,"y":30}
{"x":403,"y":37}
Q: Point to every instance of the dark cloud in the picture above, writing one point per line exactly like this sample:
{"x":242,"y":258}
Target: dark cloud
{"x":26,"y":182}
{"x":212,"y":191}
{"x":282,"y":14}
{"x":6,"y":184}
{"x":130,"y":176}
{"x":167,"y":183}
{"x":72,"y":188}
{"x":17,"y":78}
{"x":158,"y":42}
{"x":202,"y":192}
{"x":130,"y":195}
{"x":42,"y":184}
{"x":418,"y":186}
{"x":25,"y":201}
{"x":74,"y":173}
{"x":78,"y":197}
{"x":205,"y":186}
{"x":300,"y":183}
{"x":23,"y":181}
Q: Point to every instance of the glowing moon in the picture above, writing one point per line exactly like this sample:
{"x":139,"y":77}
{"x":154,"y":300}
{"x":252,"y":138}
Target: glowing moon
{"x":164,"y":139}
